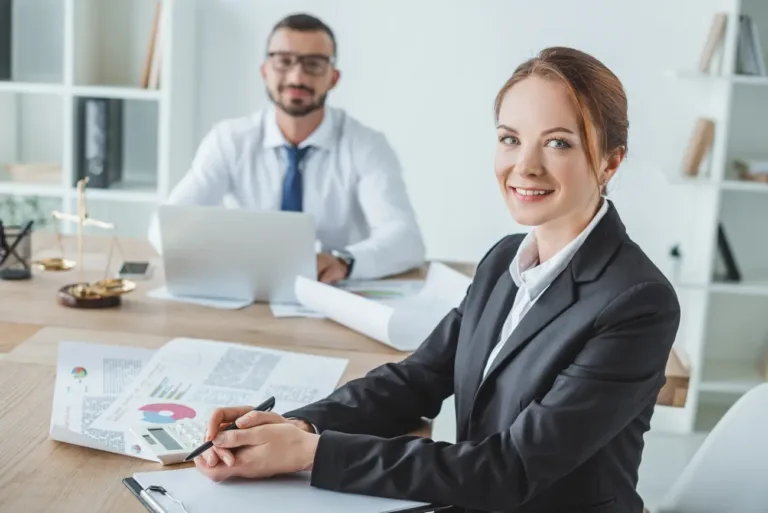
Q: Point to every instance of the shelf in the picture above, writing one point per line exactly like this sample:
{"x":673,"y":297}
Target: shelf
{"x":752,"y":288}
{"x":745,"y":186}
{"x":751,"y":80}
{"x":730,"y":376}
{"x":30,"y":189}
{"x":31,"y":88}
{"x":124,"y":93}
{"x":726,"y":185}
{"x":136,"y":192}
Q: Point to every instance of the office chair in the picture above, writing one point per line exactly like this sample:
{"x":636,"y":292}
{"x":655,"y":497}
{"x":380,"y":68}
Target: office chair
{"x":728,"y":472}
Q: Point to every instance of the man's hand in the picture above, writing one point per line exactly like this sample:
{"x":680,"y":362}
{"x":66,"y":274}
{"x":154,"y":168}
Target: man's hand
{"x":244,"y":417}
{"x":330,"y":269}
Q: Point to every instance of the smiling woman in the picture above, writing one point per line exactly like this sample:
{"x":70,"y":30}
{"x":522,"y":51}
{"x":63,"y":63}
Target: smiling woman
{"x":562,"y":132}
{"x":556,"y":354}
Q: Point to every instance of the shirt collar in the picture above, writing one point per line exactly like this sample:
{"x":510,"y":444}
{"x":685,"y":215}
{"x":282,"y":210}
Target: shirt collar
{"x":525,"y":268}
{"x":322,"y":137}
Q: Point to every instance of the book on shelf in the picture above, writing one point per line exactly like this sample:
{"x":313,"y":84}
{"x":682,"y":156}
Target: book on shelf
{"x":749,"y":51}
{"x":751,"y":169}
{"x":150,"y":74}
{"x":714,"y":41}
{"x":725,"y":258}
{"x":99,"y":134}
{"x":699,"y":144}
{"x":6,"y":39}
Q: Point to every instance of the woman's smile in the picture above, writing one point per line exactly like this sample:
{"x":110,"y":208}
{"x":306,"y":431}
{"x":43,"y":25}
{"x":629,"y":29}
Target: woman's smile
{"x":530,"y":195}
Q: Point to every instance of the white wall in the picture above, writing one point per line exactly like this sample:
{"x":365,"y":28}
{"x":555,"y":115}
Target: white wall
{"x":426,"y":72}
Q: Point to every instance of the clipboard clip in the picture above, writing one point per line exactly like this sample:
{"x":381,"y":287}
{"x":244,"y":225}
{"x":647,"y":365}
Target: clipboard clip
{"x":163,"y":491}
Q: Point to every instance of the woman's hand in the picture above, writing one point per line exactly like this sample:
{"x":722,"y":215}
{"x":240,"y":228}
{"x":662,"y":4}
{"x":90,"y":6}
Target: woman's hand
{"x":265,"y":444}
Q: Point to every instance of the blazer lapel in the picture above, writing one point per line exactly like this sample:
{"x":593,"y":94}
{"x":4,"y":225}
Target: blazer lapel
{"x":553,"y":301}
{"x":485,"y":337}
{"x":587,"y":264}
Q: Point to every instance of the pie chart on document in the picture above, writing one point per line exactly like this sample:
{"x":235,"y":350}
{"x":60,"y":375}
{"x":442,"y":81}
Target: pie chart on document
{"x":166,"y":413}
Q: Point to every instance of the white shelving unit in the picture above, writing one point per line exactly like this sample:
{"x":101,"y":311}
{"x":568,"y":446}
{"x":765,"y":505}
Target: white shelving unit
{"x":64,"y":50}
{"x":724,"y":328}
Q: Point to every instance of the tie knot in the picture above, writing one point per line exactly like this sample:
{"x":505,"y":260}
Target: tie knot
{"x":296,"y":154}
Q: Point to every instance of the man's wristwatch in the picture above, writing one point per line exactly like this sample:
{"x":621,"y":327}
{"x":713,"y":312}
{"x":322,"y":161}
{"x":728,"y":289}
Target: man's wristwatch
{"x":345,"y":257}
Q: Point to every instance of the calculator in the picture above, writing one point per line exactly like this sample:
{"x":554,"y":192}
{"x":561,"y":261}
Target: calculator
{"x":171,"y":442}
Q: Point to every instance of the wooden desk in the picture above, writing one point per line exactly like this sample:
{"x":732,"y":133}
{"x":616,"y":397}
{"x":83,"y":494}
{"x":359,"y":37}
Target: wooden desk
{"x":34,"y":303}
{"x":39,"y":474}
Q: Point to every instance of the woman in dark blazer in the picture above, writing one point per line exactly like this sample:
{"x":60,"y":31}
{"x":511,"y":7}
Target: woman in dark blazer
{"x":555,"y":356}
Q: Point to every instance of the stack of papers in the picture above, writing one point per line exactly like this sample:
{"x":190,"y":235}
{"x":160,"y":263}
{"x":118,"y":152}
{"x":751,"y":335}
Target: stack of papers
{"x":102,"y":391}
{"x":89,"y":377}
{"x":401,"y":320}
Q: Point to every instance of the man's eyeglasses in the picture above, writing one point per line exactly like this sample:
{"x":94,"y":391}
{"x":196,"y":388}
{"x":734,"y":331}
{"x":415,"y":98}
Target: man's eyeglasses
{"x":312,"y":64}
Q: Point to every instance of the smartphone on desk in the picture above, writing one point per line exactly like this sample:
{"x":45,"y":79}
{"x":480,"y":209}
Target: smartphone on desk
{"x":135,"y":270}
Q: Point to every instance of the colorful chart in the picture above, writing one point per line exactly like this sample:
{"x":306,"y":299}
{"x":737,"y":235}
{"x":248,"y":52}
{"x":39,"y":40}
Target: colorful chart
{"x":166,"y":413}
{"x":79,"y":372}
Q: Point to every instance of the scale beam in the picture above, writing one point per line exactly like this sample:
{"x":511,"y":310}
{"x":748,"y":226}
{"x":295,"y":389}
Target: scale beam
{"x":86,"y":222}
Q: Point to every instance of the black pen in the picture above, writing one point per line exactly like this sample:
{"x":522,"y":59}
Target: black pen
{"x":265,"y":406}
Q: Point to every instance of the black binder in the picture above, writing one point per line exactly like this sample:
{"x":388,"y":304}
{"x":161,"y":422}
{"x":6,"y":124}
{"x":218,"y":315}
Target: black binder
{"x":6,"y":39}
{"x":99,"y":133}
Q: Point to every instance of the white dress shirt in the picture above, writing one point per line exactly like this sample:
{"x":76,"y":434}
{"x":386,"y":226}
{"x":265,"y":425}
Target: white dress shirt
{"x":533,"y":278}
{"x":352,"y":185}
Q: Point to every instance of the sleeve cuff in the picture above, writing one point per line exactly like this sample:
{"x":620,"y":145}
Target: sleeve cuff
{"x":305,"y":420}
{"x":329,"y":466}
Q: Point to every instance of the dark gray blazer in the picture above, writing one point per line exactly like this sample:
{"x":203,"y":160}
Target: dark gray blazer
{"x":556,"y":426}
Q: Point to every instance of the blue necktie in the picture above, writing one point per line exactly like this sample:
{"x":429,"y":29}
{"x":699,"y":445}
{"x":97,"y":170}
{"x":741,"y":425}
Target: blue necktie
{"x":292,"y":190}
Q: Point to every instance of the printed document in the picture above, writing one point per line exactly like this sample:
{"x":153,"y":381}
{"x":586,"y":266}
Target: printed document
{"x":403,"y":321}
{"x":89,"y":377}
{"x":381,"y":291}
{"x":189,"y":378}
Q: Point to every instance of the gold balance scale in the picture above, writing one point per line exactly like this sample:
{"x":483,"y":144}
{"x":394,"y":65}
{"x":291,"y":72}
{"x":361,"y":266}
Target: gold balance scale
{"x":105,"y":293}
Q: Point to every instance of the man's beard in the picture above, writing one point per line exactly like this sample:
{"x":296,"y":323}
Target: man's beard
{"x":298,"y":110}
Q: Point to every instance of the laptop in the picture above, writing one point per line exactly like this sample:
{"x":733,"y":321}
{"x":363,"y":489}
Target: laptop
{"x":225,"y":253}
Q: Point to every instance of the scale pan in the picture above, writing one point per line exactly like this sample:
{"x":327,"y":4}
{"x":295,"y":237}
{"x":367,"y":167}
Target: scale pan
{"x":112,"y":287}
{"x":54,"y":264}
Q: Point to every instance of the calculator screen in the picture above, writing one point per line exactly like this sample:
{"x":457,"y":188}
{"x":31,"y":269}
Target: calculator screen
{"x":164,"y":438}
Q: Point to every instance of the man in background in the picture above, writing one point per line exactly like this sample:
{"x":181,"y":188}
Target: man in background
{"x":301,"y":155}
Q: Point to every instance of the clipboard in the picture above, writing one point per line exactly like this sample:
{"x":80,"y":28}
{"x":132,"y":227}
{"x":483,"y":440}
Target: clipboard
{"x":144,"y":497}
{"x":188,"y":491}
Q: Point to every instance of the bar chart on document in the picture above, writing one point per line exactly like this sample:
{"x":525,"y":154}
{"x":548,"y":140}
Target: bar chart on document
{"x":189,"y":378}
{"x":167,"y":389}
